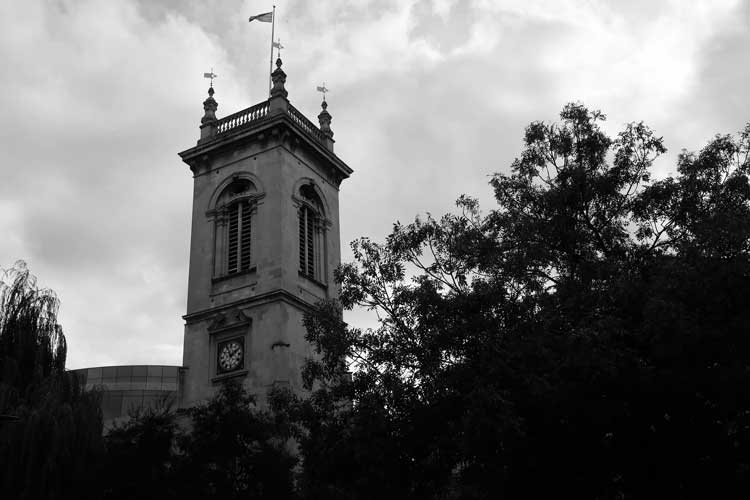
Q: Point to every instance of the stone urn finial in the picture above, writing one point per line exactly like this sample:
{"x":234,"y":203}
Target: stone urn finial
{"x":278,"y":77}
{"x":209,"y":121}
{"x":209,"y":107}
{"x":324,"y":118}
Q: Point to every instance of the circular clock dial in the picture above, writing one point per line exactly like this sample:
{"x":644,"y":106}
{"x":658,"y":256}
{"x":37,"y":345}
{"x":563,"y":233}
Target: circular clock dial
{"x":230,"y":356}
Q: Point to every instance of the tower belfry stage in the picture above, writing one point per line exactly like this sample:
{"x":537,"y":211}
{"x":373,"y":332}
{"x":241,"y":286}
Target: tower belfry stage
{"x":263,"y":247}
{"x":264,"y":242}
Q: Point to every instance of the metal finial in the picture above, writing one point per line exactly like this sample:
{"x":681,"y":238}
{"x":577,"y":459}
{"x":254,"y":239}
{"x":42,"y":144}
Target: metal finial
{"x":210,"y":75}
{"x":278,"y":47}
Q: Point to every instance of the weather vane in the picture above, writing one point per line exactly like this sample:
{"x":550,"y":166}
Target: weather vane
{"x":322,"y":89}
{"x":278,"y":47}
{"x":210,"y":75}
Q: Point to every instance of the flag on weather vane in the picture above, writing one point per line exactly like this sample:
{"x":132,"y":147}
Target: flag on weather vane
{"x":210,"y":75}
{"x":269,"y":17}
{"x":266,"y":17}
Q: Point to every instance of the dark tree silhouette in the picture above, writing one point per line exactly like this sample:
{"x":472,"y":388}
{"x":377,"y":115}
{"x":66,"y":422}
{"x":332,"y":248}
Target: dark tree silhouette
{"x":234,"y":450}
{"x":225,"y":448}
{"x":52,"y":449}
{"x":141,"y":455}
{"x":32,"y":344}
{"x":588,"y":337}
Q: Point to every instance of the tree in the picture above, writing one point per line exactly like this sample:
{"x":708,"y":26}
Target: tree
{"x":53,"y":448}
{"x":225,"y":448}
{"x":587,"y":336}
{"x":32,"y":344}
{"x":141,"y":455}
{"x":234,"y":450}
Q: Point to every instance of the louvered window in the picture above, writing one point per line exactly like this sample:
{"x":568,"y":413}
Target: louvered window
{"x":307,"y":241}
{"x":238,"y":237}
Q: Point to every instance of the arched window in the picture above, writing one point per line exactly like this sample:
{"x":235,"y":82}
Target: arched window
{"x":235,"y":207}
{"x":311,"y":244}
{"x":238,"y":244}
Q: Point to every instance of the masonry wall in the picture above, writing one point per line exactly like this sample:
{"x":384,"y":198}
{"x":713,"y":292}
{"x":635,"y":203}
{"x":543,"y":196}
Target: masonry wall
{"x":263,"y":307}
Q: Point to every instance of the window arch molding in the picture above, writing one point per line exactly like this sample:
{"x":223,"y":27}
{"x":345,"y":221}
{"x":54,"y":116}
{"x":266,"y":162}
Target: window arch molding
{"x":215,"y":196}
{"x":313,"y":225}
{"x":299,"y":199}
{"x":232,"y":209}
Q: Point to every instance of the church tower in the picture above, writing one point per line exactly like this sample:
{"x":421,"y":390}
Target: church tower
{"x":264,"y":243}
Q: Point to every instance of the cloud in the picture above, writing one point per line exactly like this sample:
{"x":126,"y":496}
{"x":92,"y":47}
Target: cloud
{"x":718,"y":102}
{"x":428,"y":97}
{"x":93,"y":193}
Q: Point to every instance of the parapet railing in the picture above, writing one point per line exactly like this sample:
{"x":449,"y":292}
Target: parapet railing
{"x":261,"y":111}
{"x":306,"y":124}
{"x":243,"y":117}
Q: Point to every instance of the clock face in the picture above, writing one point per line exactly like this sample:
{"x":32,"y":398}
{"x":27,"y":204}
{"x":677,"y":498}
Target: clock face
{"x":230,"y":356}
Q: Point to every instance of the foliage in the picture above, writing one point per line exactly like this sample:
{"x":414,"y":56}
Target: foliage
{"x":234,"y":450}
{"x":32,"y":344}
{"x":225,"y":448}
{"x":51,"y":443}
{"x":587,"y":336}
{"x":52,"y":448}
{"x":141,"y":455}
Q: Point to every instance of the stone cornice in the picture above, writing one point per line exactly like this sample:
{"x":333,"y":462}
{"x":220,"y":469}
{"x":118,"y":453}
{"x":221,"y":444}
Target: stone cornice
{"x":280,"y":126}
{"x":256,"y":300}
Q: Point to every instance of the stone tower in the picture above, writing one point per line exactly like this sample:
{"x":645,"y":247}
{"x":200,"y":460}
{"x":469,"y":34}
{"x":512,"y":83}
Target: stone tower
{"x":264,"y":243}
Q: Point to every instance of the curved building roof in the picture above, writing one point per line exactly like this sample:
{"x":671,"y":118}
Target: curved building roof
{"x":128,"y":387}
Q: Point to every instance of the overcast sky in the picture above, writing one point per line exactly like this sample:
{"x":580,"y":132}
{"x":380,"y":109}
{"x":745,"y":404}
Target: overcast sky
{"x":428,"y":99}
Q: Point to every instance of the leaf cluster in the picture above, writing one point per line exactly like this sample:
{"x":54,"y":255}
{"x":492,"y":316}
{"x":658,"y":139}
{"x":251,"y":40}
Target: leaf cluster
{"x":590,"y":330}
{"x":50,"y":432}
{"x":225,"y":448}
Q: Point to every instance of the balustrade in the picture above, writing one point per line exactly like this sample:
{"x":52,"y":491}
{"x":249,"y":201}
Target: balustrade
{"x":306,"y":124}
{"x":243,"y":117}
{"x":260,"y":111}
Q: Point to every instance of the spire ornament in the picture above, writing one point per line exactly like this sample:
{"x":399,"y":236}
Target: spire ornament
{"x":324,"y":118}
{"x":209,"y":107}
{"x":278,"y":47}
{"x":211,"y":75}
{"x":278,"y":77}
{"x":209,"y":121}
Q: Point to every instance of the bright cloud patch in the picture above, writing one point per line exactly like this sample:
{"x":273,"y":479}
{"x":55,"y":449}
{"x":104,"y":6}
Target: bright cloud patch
{"x":428,"y":98}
